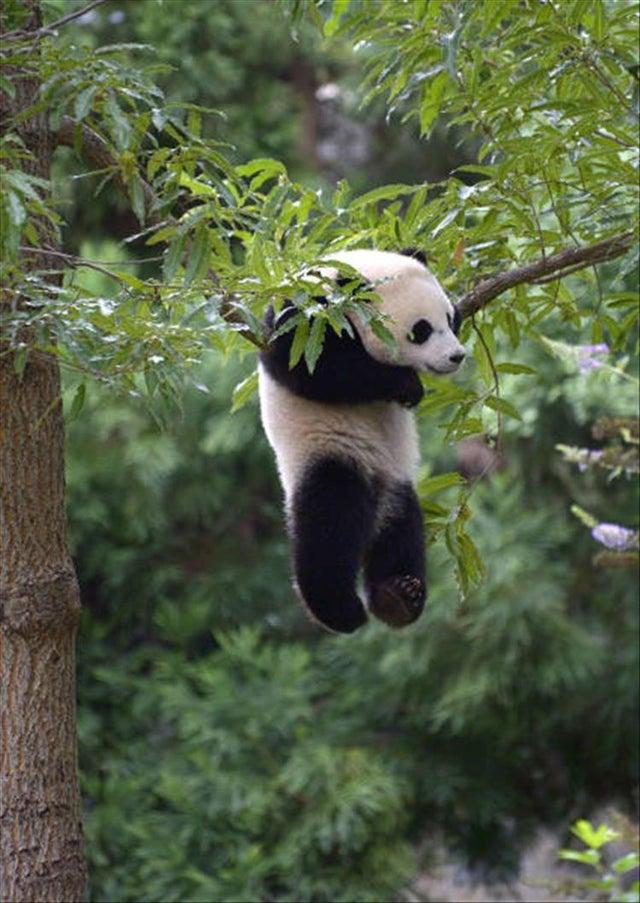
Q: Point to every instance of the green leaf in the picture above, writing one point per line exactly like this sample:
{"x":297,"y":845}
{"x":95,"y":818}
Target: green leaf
{"x":136,"y":193}
{"x":244,"y":391}
{"x":379,"y":329}
{"x":594,"y":837}
{"x":626,"y":863}
{"x":120,"y":125}
{"x":173,"y":257}
{"x":263,"y":169}
{"x":332,"y":24}
{"x":78,"y":401}
{"x":599,"y":28}
{"x":385,"y":193}
{"x":7,"y":86}
{"x":502,"y":406}
{"x":299,"y":342}
{"x":16,"y":210}
{"x":583,"y":516}
{"x":156,"y":160}
{"x":512,"y":327}
{"x":195,"y":186}
{"x":434,"y":485}
{"x":510,"y":367}
{"x":313,"y":348}
{"x":132,"y":281}
{"x":484,"y":362}
{"x":198,"y":255}
{"x":432,"y":98}
{"x":162,"y":234}
{"x":588,"y":857}
{"x":470,"y":561}
{"x":84,"y":102}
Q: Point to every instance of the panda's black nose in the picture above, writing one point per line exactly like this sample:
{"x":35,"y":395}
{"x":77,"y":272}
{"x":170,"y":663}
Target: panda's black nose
{"x":456,"y":358}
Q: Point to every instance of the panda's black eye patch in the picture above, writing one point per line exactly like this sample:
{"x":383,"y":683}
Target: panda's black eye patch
{"x":420,"y":332}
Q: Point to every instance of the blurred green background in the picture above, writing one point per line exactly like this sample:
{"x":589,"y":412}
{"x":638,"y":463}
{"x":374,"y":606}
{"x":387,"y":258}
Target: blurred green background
{"x":229,"y":749}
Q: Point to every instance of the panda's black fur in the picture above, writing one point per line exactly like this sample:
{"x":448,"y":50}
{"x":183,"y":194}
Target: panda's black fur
{"x":347,"y":451}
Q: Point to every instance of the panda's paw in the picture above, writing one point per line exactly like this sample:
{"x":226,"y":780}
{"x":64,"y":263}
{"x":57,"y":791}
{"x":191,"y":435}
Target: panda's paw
{"x":344,"y":617}
{"x":399,"y":600}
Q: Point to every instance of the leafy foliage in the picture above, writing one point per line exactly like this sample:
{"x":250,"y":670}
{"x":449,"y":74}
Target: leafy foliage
{"x":243,"y":800}
{"x":609,"y":880}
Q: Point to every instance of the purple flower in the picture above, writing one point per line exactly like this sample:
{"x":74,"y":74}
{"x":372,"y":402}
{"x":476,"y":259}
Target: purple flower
{"x":591,"y":357}
{"x":613,"y":536}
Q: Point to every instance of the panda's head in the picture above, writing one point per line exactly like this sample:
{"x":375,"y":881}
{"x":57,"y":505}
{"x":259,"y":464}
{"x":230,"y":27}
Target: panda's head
{"x":422,"y":320}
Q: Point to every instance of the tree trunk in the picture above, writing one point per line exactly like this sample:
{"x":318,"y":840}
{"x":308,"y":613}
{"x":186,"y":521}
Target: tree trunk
{"x":40,"y":813}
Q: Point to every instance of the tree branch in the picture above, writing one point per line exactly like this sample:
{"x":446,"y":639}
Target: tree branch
{"x":546,"y":269}
{"x":50,"y":29}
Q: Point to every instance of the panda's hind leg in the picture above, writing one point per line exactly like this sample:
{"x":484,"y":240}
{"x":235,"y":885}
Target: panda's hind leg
{"x":394,"y":571}
{"x":331,"y":523}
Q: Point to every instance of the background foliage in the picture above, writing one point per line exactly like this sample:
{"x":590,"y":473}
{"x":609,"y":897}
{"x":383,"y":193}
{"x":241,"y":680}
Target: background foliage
{"x":228,"y":750}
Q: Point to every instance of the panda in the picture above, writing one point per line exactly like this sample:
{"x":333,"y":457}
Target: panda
{"x":346,"y":444}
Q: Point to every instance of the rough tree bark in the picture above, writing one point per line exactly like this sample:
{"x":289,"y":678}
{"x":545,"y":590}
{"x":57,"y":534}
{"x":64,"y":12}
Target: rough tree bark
{"x":40,"y":813}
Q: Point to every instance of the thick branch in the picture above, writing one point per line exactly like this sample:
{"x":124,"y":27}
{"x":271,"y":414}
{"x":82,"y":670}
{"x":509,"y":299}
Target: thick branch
{"x":546,"y":269}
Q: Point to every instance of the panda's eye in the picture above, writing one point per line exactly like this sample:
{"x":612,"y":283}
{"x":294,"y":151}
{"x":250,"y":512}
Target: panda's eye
{"x":454,"y":321}
{"x":420,"y":332}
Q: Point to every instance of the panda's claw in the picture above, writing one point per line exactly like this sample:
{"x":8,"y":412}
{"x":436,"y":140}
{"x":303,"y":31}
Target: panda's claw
{"x":399,"y":600}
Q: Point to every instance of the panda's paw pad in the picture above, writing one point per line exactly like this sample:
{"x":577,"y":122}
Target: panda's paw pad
{"x":410,"y":588}
{"x":399,"y":600}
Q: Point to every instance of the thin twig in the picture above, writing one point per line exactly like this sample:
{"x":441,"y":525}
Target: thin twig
{"x":74,"y":260}
{"x":50,"y":29}
{"x":496,"y":382}
{"x":602,"y":134}
{"x":71,"y":260}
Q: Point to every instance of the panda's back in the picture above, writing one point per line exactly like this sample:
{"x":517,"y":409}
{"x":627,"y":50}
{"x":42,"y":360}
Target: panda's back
{"x":380,"y":436}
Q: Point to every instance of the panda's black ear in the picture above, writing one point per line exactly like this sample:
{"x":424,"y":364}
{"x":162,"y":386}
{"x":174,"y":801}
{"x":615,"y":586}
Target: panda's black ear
{"x":457,"y":320}
{"x":416,"y":253}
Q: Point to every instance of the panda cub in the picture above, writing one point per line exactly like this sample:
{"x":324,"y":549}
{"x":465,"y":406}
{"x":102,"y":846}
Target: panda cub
{"x":346,"y":445}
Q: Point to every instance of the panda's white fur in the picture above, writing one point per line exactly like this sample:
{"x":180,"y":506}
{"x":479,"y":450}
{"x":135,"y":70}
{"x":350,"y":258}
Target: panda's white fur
{"x":347,"y":448}
{"x":381,"y":436}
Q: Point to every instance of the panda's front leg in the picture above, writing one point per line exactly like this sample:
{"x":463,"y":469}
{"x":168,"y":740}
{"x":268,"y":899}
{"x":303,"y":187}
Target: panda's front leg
{"x":331,"y":520}
{"x":395,"y":564}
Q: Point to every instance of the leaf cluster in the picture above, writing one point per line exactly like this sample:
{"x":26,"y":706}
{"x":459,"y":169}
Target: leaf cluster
{"x":609,"y":880}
